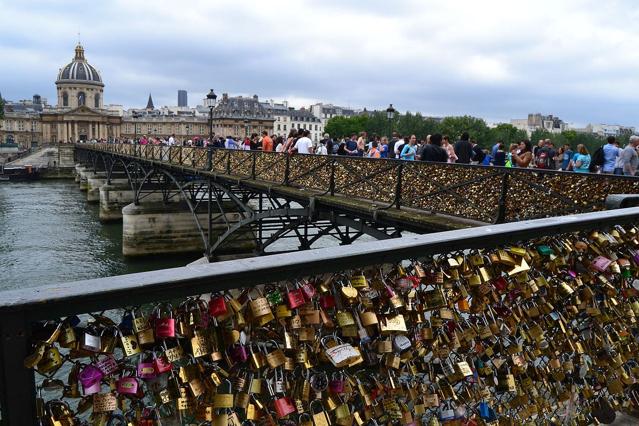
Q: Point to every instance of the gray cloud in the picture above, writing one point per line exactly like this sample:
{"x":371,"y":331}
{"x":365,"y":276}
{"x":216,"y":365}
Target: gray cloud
{"x":495,"y":59}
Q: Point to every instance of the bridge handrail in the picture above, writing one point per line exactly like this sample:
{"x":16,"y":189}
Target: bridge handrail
{"x":55,"y":300}
{"x":486,"y":194}
{"x":19,"y":308}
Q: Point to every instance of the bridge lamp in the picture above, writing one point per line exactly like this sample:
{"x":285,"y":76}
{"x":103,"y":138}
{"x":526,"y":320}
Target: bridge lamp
{"x":210,"y":103}
{"x":390,"y":114}
{"x":246,"y":126}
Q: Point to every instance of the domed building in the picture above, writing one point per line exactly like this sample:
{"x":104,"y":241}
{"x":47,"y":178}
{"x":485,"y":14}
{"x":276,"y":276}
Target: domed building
{"x":79,"y":113}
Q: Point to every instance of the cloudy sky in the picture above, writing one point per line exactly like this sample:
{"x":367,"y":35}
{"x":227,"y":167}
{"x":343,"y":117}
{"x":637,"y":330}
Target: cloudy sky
{"x":494,"y":59}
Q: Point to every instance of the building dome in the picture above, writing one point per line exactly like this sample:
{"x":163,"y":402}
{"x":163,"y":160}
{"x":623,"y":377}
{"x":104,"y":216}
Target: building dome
{"x":79,"y":70}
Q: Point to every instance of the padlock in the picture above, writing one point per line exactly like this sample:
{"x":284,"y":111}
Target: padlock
{"x":295,"y":297}
{"x":401,"y":343}
{"x":127,"y":385}
{"x":224,"y":397}
{"x":276,"y":357}
{"x":164,"y":321}
{"x":107,"y":364}
{"x":217,"y":305}
{"x":320,"y":417}
{"x":130,"y":345}
{"x":146,"y":368}
{"x":90,"y":377}
{"x":341,"y":354}
{"x":50,"y":361}
{"x":91,"y":340}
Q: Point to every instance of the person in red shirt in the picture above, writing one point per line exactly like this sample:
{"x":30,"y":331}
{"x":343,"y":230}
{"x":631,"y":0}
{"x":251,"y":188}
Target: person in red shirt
{"x":267,"y":142}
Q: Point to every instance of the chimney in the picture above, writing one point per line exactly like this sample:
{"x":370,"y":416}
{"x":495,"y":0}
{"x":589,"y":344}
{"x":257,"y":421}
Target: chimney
{"x":225,"y":96}
{"x":285,"y":104}
{"x":255,"y":97}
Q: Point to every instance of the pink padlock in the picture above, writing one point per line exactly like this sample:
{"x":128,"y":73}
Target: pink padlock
{"x":127,"y":386}
{"x":601,"y":263}
{"x":146,"y":370}
{"x":108,"y":365}
{"x":238,"y":353}
{"x":336,"y":384}
{"x":90,"y":377}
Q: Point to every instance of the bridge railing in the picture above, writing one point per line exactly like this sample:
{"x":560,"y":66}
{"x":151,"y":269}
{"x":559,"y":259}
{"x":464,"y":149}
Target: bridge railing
{"x":482,"y":193}
{"x":493,"y":266}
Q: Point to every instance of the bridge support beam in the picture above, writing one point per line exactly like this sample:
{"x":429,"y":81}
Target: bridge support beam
{"x":159,"y":228}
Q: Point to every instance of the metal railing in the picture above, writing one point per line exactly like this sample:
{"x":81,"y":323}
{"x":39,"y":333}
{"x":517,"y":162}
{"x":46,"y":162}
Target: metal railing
{"x":480,"y":193}
{"x":20,"y":308}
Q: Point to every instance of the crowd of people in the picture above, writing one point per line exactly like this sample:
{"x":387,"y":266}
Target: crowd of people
{"x":609,"y":158}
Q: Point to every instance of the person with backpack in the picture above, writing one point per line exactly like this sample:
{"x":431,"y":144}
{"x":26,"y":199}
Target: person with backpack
{"x":543,"y":159}
{"x":596,"y":160}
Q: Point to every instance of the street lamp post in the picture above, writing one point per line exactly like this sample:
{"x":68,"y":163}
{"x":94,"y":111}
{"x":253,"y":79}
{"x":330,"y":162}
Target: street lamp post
{"x":210,"y":102}
{"x":246,"y":127}
{"x":390,"y":114}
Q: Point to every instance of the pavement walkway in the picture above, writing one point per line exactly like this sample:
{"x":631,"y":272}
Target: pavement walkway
{"x":40,"y":159}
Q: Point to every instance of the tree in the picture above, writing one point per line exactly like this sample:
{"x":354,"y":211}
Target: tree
{"x":1,"y":107}
{"x":476,"y":127}
{"x":339,"y":127}
{"x":507,"y":133}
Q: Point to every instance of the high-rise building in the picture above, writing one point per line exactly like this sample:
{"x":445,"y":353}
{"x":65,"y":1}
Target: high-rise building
{"x":182,"y":98}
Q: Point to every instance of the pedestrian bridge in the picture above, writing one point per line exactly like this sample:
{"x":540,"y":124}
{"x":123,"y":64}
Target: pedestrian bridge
{"x":378,"y":197}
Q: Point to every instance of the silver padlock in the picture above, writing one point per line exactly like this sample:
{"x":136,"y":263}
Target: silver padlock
{"x":401,"y":343}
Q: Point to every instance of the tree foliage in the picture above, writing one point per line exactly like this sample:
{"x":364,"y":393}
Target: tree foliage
{"x":1,"y":108}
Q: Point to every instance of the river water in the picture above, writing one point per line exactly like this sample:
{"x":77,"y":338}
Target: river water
{"x":50,"y":234}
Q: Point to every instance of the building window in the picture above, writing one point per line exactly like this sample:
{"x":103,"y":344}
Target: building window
{"x":97,"y":100}
{"x":278,"y":127}
{"x":285,"y":127}
{"x":81,"y":99}
{"x":65,"y":99}
{"x":20,"y":126}
{"x":316,"y":127}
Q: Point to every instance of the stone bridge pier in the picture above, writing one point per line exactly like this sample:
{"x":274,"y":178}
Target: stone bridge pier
{"x":157,"y":223}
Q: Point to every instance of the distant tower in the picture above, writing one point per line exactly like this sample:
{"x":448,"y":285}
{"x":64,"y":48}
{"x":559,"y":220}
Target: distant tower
{"x":182,"y":98}
{"x":149,"y":104}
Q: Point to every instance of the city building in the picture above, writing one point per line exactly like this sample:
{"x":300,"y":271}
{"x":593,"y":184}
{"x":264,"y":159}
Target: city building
{"x":241,"y":116}
{"x":183,"y":100}
{"x":79,"y":113}
{"x":186,"y":124}
{"x":287,"y":118}
{"x":327,"y":111}
{"x":538,"y":121}
{"x":21,"y":123}
{"x":605,"y":130}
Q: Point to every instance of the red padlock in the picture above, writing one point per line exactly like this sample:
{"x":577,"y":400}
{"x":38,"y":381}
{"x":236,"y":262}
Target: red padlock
{"x":327,"y":301}
{"x":164,"y":321}
{"x":217,"y":305}
{"x":161,"y":364}
{"x":284,"y":406}
{"x":295,"y":298}
{"x":309,"y":291}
